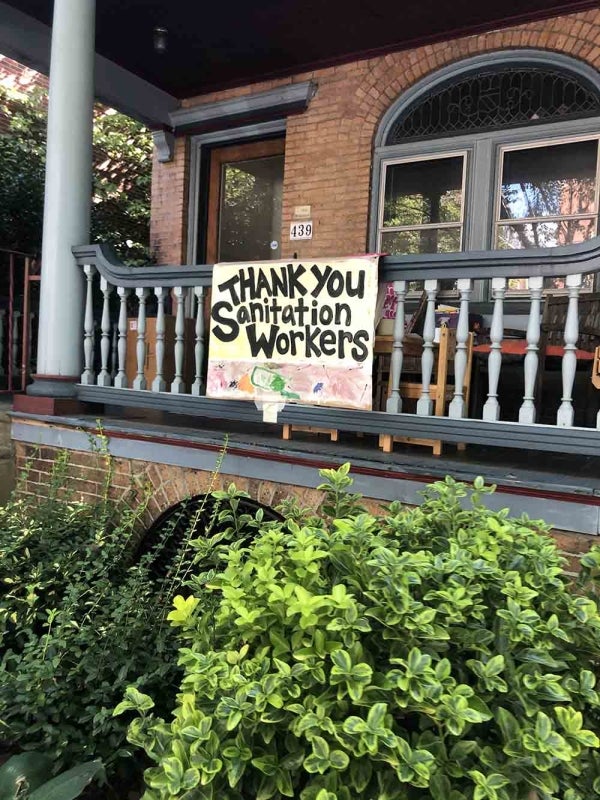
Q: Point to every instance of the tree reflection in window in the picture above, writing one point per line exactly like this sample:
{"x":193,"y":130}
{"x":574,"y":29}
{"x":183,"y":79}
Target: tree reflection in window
{"x":423,"y":209}
{"x":250,"y":208}
{"x":548,"y":198}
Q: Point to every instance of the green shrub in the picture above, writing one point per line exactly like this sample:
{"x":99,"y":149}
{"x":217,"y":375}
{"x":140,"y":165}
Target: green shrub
{"x":78,"y":622}
{"x":437,"y":652}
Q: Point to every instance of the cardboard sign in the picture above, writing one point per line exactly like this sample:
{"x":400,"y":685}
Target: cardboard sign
{"x":294,"y":331}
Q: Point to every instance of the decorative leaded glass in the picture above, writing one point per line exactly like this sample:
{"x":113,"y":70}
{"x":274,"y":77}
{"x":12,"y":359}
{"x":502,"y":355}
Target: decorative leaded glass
{"x":493,"y":98}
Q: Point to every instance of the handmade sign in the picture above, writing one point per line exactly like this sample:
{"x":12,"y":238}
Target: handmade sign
{"x":286,"y":331}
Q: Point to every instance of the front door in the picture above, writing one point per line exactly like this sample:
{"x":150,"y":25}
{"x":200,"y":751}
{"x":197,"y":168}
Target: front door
{"x":244,"y":202}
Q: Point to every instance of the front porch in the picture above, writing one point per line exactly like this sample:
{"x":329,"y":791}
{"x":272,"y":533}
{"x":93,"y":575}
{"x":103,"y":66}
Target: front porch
{"x":158,"y":413}
{"x":505,"y":401}
{"x":138,"y":355}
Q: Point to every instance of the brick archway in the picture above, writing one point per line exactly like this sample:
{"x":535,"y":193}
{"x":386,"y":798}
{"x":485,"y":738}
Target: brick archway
{"x":393,"y":74}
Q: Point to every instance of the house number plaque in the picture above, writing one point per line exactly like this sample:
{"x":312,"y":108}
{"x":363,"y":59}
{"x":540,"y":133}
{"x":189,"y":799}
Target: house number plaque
{"x":301,"y":230}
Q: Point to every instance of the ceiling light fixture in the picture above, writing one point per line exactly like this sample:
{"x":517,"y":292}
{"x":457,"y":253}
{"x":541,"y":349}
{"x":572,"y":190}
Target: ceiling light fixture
{"x":160,"y":39}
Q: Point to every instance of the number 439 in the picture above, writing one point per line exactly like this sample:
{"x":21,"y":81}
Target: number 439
{"x":301,"y":230}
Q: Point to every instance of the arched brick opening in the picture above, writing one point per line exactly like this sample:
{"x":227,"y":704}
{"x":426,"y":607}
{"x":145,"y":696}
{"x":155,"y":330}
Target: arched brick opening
{"x":169,"y":485}
{"x":163,"y":543}
{"x":395,"y":73}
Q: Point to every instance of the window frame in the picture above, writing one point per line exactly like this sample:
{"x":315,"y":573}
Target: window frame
{"x":480,"y":191}
{"x":498,"y":222}
{"x":381,"y":228}
{"x":483,"y":175}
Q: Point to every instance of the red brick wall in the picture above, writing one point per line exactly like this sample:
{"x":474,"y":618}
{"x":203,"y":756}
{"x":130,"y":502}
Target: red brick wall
{"x":171,"y":484}
{"x":329,"y":146}
{"x":15,"y":76}
{"x":168,"y":225}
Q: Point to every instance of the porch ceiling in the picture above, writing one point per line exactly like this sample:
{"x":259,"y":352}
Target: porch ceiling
{"x":223,"y":44}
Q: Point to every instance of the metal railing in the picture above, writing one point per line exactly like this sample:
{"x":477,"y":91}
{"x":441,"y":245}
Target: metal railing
{"x":18,"y":319}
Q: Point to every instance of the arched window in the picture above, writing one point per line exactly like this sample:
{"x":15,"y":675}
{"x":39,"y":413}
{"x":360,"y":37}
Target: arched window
{"x":500,"y":151}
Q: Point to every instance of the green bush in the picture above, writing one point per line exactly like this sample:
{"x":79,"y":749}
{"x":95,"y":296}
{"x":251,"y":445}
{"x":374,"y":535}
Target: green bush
{"x":437,"y":652}
{"x":78,"y":622}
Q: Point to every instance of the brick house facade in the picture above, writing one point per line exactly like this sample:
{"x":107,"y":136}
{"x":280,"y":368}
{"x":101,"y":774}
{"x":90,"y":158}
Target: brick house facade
{"x":328,"y":148}
{"x":17,"y":77}
{"x":329,"y":152}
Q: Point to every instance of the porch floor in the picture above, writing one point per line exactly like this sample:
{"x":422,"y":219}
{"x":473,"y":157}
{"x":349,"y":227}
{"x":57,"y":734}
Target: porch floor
{"x":505,"y":466}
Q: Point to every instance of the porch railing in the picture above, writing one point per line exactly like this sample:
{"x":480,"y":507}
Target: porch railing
{"x":111,"y":284}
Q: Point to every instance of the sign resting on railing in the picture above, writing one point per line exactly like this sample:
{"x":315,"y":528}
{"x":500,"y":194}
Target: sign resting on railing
{"x":294,"y":331}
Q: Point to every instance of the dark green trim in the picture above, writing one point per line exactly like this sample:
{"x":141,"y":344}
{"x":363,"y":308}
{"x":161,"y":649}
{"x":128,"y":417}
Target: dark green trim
{"x":549,"y":261}
{"x":549,"y":438}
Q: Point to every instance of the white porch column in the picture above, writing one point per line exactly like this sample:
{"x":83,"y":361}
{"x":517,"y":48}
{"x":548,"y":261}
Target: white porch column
{"x":67,"y":197}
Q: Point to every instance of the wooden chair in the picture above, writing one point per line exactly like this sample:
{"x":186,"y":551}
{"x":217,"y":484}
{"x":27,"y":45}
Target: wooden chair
{"x":555,"y":315}
{"x":441,"y":389}
{"x":553,"y":330}
{"x":596,"y":369}
{"x":288,"y":430}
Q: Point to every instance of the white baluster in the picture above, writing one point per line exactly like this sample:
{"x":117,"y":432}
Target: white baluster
{"x":527,"y":412}
{"x":394,"y":401}
{"x":565,"y":416}
{"x":88,"y":377}
{"x":121,"y":379}
{"x":2,"y":313}
{"x":178,"y":385}
{"x":159,"y":384}
{"x":197,"y":386}
{"x":457,"y":408}
{"x":113,"y":352}
{"x":425,"y":403}
{"x":15,"y":341}
{"x":491,"y":408}
{"x":104,"y":375}
{"x":139,"y":382}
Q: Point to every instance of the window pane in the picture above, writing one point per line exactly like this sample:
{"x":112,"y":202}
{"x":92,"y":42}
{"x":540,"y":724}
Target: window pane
{"x":526,"y":235}
{"x":549,"y":181}
{"x":250,"y":209}
{"x":423,"y":240}
{"x":421,"y":192}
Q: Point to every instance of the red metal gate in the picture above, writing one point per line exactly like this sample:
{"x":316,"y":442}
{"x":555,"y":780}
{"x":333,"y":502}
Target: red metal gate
{"x":19,"y":305}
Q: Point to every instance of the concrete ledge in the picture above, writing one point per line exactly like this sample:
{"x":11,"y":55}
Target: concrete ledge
{"x":566,"y":507}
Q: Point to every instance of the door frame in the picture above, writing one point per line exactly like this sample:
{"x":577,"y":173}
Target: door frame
{"x":244,"y":151}
{"x":198,"y":147}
